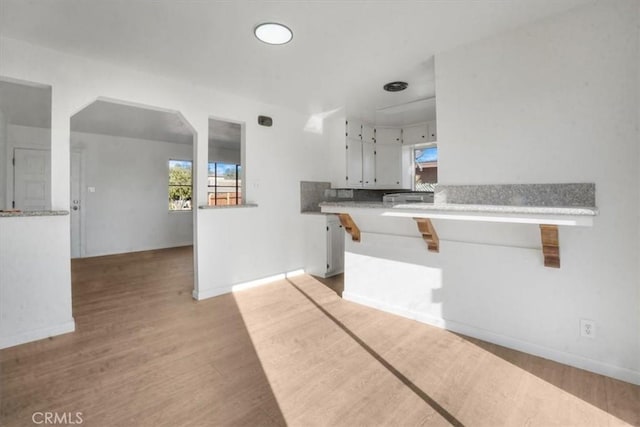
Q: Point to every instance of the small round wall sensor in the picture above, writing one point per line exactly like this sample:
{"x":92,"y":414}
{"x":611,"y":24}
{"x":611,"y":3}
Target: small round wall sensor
{"x":395,"y":86}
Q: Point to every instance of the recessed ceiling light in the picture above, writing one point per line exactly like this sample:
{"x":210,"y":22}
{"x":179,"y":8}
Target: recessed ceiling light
{"x":273,"y":33}
{"x":395,"y":86}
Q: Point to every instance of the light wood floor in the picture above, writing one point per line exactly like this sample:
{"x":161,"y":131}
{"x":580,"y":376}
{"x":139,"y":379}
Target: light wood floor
{"x":292,"y":352}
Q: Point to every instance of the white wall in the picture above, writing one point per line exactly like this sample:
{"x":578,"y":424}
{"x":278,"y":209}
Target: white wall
{"x":555,"y":101}
{"x":128,"y":211}
{"x":35,"y":297}
{"x":265,"y":241}
{"x":3,"y":160}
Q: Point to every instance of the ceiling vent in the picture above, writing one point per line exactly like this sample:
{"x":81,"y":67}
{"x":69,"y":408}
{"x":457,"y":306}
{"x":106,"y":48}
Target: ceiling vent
{"x":395,"y":86}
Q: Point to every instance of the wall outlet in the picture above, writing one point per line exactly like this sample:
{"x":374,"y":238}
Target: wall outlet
{"x":587,"y":328}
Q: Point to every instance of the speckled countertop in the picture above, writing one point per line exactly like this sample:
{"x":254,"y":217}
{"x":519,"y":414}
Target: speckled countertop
{"x":32,"y":213}
{"x":452,"y":207}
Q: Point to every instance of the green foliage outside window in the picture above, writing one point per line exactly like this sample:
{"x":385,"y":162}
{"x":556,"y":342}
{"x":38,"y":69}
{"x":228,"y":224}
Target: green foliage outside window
{"x":180,"y":185}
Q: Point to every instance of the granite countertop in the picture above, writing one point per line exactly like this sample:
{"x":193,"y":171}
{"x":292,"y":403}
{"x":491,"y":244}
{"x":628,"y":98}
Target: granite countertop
{"x":454,"y":207}
{"x":32,"y":213}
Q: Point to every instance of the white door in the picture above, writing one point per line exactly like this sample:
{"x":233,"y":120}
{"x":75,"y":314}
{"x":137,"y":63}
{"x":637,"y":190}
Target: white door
{"x":31,"y":179}
{"x":76,"y":185}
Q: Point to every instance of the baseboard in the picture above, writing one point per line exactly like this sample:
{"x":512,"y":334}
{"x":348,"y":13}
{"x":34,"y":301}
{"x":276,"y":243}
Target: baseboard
{"x":623,"y":374}
{"x":598,"y":367}
{"x":37,"y":334}
{"x":200,"y":295}
{"x":393,"y":309}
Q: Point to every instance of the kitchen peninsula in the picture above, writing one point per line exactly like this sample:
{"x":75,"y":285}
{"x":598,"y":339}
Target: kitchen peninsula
{"x":393,"y":256}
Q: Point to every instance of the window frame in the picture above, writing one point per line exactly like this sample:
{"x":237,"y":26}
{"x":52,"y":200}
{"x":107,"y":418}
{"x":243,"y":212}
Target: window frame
{"x":414,"y":164}
{"x":169,"y":185}
{"x":237,"y":186}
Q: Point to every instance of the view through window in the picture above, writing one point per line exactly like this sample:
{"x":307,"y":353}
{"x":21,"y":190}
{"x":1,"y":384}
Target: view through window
{"x":426,"y":168}
{"x":225,"y":184}
{"x":180,"y":185}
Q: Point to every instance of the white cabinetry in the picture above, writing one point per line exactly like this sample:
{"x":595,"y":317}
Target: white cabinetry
{"x":389,"y":165}
{"x":414,"y":134}
{"x":354,"y":163}
{"x":354,"y":130}
{"x":388,"y":135}
{"x":368,"y":164}
{"x":373,"y":157}
{"x":432,"y":131}
{"x":324,"y":247}
{"x":368,"y":134}
{"x":425,"y":132}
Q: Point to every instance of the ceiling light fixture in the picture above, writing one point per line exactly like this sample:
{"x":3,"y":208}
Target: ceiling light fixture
{"x":273,"y":33}
{"x":395,"y":86}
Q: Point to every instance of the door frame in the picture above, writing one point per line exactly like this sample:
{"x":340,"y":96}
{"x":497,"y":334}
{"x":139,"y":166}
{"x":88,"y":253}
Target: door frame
{"x":81,"y":217}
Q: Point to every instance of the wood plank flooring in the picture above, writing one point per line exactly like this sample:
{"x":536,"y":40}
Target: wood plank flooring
{"x":288,"y":353}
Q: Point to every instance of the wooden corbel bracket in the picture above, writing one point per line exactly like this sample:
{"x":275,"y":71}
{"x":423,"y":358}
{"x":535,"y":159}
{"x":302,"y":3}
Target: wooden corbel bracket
{"x":550,"y":245}
{"x":350,"y":226}
{"x":428,"y":234}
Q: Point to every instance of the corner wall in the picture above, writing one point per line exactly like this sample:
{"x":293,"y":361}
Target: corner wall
{"x":555,"y":101}
{"x":260,"y":242}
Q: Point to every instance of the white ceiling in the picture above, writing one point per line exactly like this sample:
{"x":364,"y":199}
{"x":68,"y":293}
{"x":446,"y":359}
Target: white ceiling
{"x":341,"y":54}
{"x":107,"y":117}
{"x":25,"y":104}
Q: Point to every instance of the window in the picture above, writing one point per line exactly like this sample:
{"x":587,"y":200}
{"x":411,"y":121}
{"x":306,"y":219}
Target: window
{"x":225,"y":184}
{"x":426,"y":167}
{"x":180,"y":185}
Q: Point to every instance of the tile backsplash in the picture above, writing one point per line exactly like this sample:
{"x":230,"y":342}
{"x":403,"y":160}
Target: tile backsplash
{"x":312,"y":193}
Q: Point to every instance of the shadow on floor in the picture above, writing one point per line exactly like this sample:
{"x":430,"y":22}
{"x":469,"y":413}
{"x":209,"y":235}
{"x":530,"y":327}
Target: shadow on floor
{"x":335,"y":283}
{"x":618,"y":398}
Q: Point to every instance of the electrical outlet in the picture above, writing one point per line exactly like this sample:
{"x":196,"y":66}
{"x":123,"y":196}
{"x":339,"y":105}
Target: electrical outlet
{"x":587,"y":328}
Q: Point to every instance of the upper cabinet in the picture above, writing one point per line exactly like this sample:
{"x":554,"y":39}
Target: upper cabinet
{"x":353,"y":174}
{"x":425,"y":132}
{"x":368,"y":134}
{"x":364,"y":156}
{"x":388,"y":136}
{"x":354,"y":130}
{"x":432,"y":131}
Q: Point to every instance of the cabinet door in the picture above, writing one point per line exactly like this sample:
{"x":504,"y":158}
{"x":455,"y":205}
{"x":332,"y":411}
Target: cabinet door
{"x":354,"y":129}
{"x":414,"y":134}
{"x":389,"y":165}
{"x":354,"y":163}
{"x":432,"y":134}
{"x":335,"y":248}
{"x":368,"y":134}
{"x":368,"y":164}
{"x":388,"y":136}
